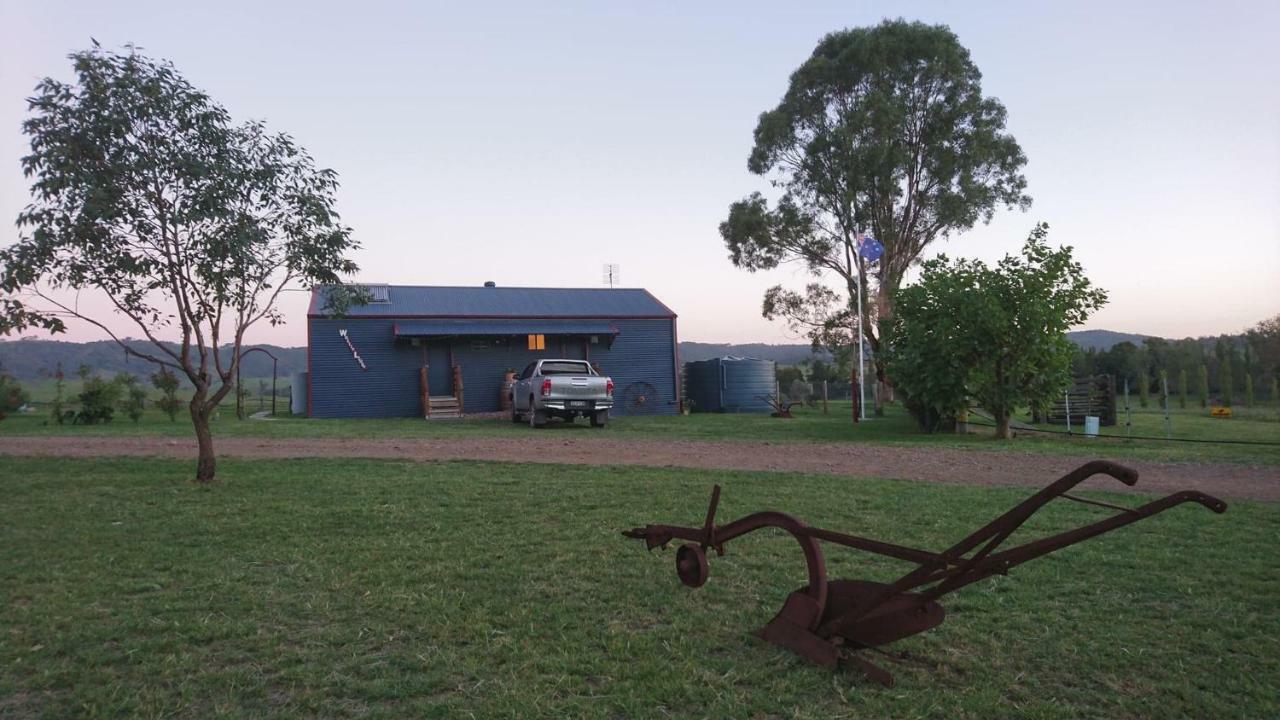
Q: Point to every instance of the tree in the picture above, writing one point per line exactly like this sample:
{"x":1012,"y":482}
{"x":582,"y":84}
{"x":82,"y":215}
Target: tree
{"x":997,"y":335}
{"x":167,"y":383}
{"x":883,"y":129}
{"x":1248,"y":390}
{"x":12,"y":396}
{"x":1202,"y":387}
{"x":135,"y":396}
{"x":1144,"y":388}
{"x":1275,"y":392}
{"x":1225,"y":381}
{"x":59,"y":395}
{"x":188,"y":224}
{"x":1182,"y":388}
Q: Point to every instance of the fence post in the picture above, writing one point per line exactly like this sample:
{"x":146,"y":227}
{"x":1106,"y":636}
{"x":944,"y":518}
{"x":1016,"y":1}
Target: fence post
{"x":1066,"y":398}
{"x":1128,"y":413}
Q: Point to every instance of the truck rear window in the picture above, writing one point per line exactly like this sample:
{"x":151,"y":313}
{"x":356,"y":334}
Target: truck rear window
{"x":565,"y":368}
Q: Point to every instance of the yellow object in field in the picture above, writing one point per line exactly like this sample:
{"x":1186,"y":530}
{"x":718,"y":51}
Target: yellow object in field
{"x":1222,"y":412}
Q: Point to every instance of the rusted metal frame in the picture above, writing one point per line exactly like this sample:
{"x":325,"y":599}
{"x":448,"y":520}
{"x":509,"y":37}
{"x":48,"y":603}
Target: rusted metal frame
{"x":900,"y":552}
{"x":993,"y":533}
{"x":1004,"y":561}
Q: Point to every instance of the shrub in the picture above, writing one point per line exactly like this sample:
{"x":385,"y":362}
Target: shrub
{"x":135,"y":397}
{"x":98,"y":399}
{"x":1182,"y":388}
{"x":167,"y":383}
{"x":1144,"y":388}
{"x":12,"y":396}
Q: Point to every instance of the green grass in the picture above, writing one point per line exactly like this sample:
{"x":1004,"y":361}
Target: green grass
{"x":386,"y":589}
{"x":809,"y":425}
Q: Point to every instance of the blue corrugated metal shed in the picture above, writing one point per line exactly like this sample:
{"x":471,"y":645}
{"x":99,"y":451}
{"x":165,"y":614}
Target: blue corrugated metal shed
{"x":407,"y":301}
{"x":369,"y":362}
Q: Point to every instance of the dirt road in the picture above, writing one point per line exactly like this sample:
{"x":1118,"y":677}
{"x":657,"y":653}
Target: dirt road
{"x":968,"y":467}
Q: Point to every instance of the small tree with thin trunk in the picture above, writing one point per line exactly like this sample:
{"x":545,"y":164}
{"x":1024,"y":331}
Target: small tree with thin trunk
{"x":187,"y":224}
{"x":1144,"y":388}
{"x":1182,"y":388}
{"x":1248,"y":390}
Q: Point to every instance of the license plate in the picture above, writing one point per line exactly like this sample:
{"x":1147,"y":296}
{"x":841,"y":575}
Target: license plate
{"x":579,"y":403}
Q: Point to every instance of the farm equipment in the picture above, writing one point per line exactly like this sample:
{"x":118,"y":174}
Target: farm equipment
{"x":829,"y":620}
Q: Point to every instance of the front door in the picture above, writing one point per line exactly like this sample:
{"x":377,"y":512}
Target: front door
{"x":439,"y":374}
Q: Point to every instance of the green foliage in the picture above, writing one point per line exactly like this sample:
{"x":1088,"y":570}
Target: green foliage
{"x":1144,"y":388}
{"x":1248,"y":390}
{"x":167,"y":383}
{"x":1225,"y":382}
{"x":1275,"y":392}
{"x":997,"y":335}
{"x":1202,"y":387}
{"x":56,"y":408}
{"x":98,"y":399}
{"x":145,"y":190}
{"x":12,"y":396}
{"x":135,"y":396}
{"x":787,"y":374}
{"x":883,"y":129}
{"x":1182,"y":388}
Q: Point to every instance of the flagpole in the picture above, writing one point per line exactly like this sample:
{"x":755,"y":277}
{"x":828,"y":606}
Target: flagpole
{"x":862,"y":394}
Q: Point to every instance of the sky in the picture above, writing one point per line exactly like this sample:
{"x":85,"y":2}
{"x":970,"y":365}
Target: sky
{"x":530,"y":143}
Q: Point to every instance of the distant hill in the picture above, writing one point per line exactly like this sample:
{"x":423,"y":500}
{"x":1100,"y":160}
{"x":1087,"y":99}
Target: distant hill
{"x":783,"y":354}
{"x":1103,"y":339}
{"x":30,"y":359}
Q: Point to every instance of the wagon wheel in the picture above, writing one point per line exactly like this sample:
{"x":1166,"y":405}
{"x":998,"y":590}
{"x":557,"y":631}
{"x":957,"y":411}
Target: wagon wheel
{"x":638,"y":397}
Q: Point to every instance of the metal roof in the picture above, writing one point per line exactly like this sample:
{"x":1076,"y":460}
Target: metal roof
{"x":418,"y":328}
{"x":410,"y":301}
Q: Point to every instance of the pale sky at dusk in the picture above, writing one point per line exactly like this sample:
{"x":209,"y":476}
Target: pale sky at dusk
{"x":529,"y":143}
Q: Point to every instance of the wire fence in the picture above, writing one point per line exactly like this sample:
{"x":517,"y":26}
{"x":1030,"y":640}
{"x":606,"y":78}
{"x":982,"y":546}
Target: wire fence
{"x":1027,"y":428}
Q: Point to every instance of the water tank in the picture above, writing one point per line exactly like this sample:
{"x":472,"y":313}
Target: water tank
{"x":298,"y":394}
{"x":730,"y":384}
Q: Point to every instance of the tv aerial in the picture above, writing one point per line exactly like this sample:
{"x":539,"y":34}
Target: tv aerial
{"x":612,"y":274}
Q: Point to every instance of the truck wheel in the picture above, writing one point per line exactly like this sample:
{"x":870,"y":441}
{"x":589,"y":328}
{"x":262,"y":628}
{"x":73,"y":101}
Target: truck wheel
{"x":600,"y":419}
{"x":515,"y":415}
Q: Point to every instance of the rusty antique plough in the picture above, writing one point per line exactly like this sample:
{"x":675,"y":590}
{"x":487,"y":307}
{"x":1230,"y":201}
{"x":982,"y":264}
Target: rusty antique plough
{"x":827,"y":620}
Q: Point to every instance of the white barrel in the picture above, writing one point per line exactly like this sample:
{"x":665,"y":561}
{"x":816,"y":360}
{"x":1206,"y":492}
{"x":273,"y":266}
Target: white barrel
{"x":1090,"y":426}
{"x":298,"y":394}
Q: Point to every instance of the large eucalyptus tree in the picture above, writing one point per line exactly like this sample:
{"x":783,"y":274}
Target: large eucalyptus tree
{"x":883,"y":130}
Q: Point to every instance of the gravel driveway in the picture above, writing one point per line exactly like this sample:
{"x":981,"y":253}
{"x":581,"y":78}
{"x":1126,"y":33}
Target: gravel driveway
{"x":967,"y":467}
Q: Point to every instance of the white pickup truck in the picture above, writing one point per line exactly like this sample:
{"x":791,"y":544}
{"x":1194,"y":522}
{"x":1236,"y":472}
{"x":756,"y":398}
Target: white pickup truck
{"x":561,"y":388}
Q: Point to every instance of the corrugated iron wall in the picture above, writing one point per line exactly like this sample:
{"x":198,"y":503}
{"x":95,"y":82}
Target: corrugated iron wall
{"x":643,"y":352}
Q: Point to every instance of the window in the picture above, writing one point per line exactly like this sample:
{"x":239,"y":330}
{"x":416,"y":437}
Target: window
{"x":528,"y":371}
{"x":537,"y":342}
{"x":567,"y":367}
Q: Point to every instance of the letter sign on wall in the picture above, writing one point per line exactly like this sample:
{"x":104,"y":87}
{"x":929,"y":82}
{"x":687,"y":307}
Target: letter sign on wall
{"x":354,"y":354}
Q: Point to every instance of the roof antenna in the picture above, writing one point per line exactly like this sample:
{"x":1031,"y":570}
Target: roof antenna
{"x":612,"y":274}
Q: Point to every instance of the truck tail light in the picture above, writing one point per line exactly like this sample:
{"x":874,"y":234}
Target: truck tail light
{"x":546,"y":388}
{"x":608,"y":387}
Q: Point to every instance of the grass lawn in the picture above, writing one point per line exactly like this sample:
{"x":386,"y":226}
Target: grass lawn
{"x":348,"y":588}
{"x":809,"y":425}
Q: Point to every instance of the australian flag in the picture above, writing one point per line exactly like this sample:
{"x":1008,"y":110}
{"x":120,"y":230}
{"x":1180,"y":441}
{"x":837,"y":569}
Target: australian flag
{"x":869,"y":249}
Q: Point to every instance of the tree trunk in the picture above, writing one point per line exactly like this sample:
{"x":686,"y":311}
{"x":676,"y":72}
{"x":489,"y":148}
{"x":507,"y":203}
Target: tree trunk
{"x":206,"y":464}
{"x":1002,"y":425}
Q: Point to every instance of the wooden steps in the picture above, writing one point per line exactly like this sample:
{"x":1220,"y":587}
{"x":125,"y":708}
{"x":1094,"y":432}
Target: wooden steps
{"x":444,"y":406}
